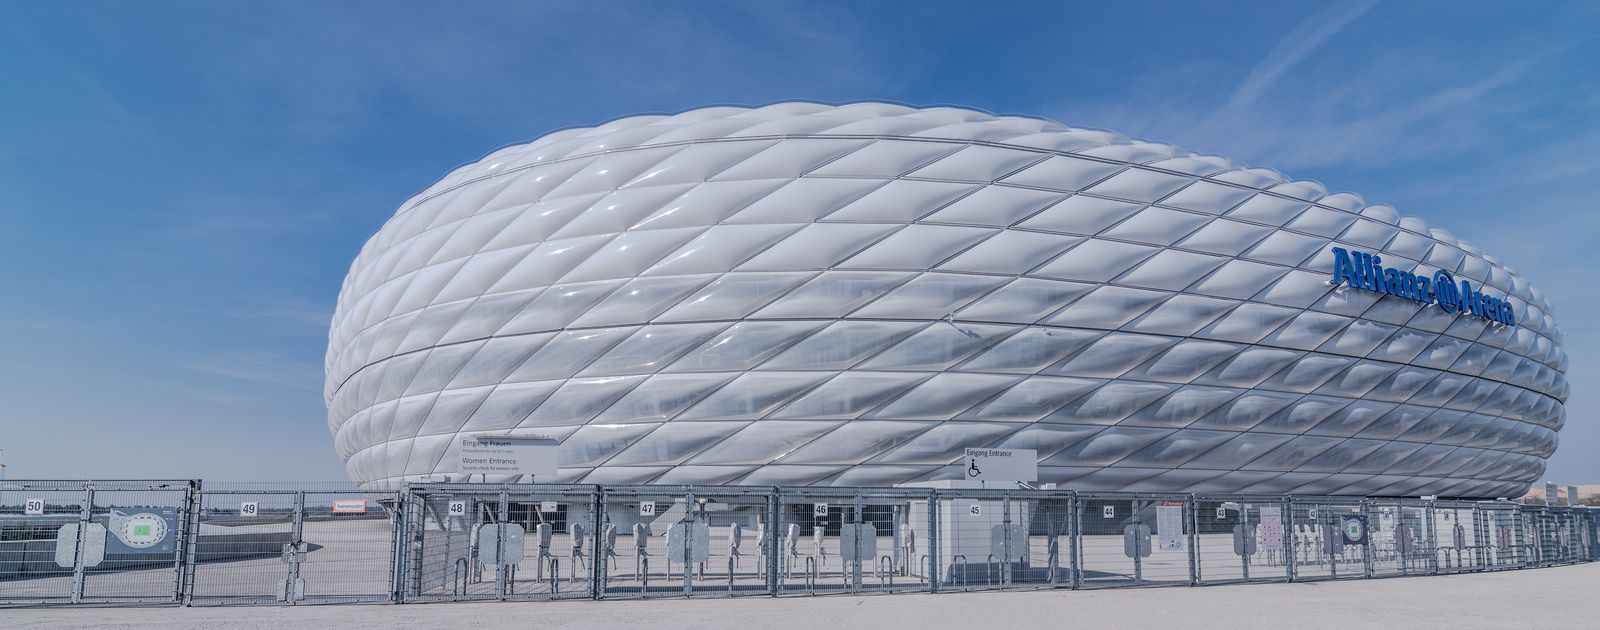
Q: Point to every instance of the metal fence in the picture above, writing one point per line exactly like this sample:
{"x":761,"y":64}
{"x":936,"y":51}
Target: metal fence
{"x":184,"y":542}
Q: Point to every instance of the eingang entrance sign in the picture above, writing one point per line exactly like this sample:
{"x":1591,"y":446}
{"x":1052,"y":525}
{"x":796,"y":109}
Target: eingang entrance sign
{"x":1002,"y":465}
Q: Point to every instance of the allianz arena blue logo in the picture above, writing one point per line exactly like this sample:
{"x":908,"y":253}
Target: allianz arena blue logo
{"x":1366,"y":271}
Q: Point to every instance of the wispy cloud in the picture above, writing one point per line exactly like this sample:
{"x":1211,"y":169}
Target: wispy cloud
{"x":287,"y":318}
{"x":262,"y":370}
{"x":1295,"y":46}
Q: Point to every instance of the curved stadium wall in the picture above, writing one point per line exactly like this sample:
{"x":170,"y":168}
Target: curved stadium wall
{"x":809,"y":294}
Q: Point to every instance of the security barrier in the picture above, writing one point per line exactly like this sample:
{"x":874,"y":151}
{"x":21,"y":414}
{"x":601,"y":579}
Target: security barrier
{"x":188,"y":543}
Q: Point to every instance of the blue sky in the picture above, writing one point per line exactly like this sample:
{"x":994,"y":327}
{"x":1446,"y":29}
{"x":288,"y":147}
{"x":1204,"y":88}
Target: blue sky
{"x":183,"y":185}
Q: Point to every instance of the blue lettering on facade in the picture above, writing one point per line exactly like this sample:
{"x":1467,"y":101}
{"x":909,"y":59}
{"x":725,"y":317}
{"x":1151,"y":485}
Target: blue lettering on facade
{"x":1366,"y":271}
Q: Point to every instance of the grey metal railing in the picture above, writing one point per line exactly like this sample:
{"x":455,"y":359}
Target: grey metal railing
{"x":188,"y":543}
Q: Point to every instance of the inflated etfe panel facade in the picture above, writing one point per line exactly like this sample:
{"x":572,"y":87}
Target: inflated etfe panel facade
{"x":810,"y":294}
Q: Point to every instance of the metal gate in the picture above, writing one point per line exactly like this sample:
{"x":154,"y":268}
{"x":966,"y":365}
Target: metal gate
{"x":850,"y":540}
{"x":685,"y":541}
{"x":1242,"y":538}
{"x":260,"y":543}
{"x":1459,"y":536}
{"x":997,"y":539}
{"x":477,"y":541}
{"x":1134,"y":540}
{"x":1402,"y":537}
{"x":1323,"y":541}
{"x":94,"y":542}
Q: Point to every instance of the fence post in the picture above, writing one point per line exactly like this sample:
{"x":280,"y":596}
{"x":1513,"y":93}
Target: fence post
{"x":1432,"y":536}
{"x":1290,"y":558}
{"x":188,"y":535}
{"x":1192,"y":506}
{"x":85,"y":514}
{"x":1138,"y":564}
{"x":1244,"y":526}
{"x":502,"y":514}
{"x":1076,"y":540}
{"x":687,"y":561}
{"x":1366,"y":550}
{"x":397,"y":536}
{"x":598,"y":564}
{"x":856,"y":552}
{"x":934,"y":575}
{"x":291,"y":590}
{"x":1005,"y":539}
{"x":774,"y":510}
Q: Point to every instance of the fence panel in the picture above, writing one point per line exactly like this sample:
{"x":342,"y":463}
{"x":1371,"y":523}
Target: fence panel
{"x":633,"y":548}
{"x":1049,"y":529}
{"x":1459,"y":537}
{"x":34,"y":515}
{"x":1402,"y":537}
{"x":1317,"y":535}
{"x":478,"y":541}
{"x":1569,"y":536}
{"x":178,"y":542}
{"x":440,"y":559}
{"x":684,"y":541}
{"x":735,"y":527}
{"x":238,"y":552}
{"x":812,"y":527}
{"x":1241,"y":539}
{"x":994,"y":539}
{"x":1133,"y":540}
{"x":1544,"y":528}
{"x":1589,"y":527}
{"x":349,"y":538}
{"x":142,"y":553}
{"x":1501,"y":523}
{"x":558,"y":544}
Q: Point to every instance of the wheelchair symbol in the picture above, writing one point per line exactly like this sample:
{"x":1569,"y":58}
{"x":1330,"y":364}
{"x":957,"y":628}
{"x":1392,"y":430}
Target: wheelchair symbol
{"x":972,"y":468}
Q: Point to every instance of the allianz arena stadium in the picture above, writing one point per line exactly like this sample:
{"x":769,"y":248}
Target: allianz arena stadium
{"x":806,"y":294}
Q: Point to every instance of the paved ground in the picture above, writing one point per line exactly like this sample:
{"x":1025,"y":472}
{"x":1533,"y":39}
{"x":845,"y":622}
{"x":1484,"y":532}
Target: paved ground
{"x":1543,"y":598}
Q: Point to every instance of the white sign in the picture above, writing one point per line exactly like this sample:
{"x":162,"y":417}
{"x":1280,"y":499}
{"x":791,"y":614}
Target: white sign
{"x":1001,"y":465}
{"x":94,"y":545}
{"x":247,"y":509}
{"x":647,"y":508}
{"x":1108,"y":512}
{"x":1312,"y":513}
{"x":500,"y":543}
{"x":503,"y":455}
{"x":458,"y":508}
{"x":1222,"y":512}
{"x":819,"y":509}
{"x":548,"y":506}
{"x":689,"y":541}
{"x":1169,"y":527}
{"x":33,"y":507}
{"x":349,"y":506}
{"x":1271,"y":527}
{"x":976,"y":509}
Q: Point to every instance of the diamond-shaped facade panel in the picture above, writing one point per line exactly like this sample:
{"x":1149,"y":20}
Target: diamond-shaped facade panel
{"x":807,"y":294}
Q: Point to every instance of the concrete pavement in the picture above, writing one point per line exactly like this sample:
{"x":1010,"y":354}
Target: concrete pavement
{"x":1546,"y":598}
